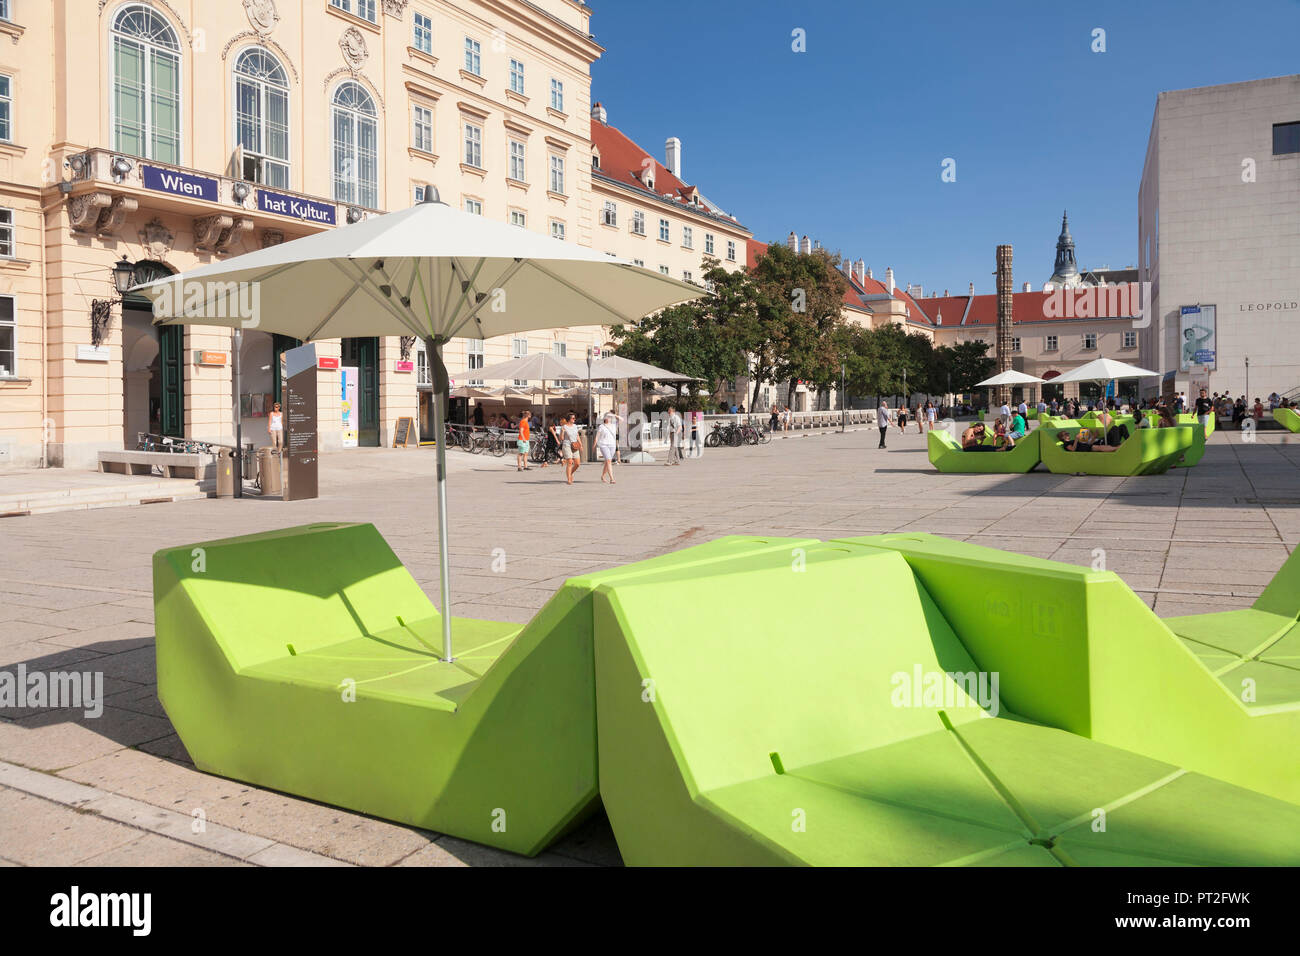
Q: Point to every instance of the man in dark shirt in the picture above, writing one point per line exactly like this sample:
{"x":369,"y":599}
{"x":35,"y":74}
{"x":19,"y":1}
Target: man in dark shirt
{"x":1204,"y":408}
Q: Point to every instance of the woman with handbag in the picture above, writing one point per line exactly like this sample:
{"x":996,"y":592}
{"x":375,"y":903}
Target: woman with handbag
{"x":569,"y":446}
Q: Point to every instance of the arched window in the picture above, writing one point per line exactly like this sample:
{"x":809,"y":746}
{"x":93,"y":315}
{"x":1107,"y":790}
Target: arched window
{"x":262,"y":117}
{"x":356,"y":138}
{"x":146,"y":106}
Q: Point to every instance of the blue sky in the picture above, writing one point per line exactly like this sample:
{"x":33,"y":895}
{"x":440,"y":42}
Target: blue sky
{"x":845,"y":142}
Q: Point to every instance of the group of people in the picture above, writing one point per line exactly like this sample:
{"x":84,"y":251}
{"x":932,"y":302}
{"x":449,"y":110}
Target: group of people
{"x":923,"y":415}
{"x":1008,"y":429}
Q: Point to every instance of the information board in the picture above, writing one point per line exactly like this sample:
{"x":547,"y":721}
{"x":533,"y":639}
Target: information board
{"x":301,"y":430}
{"x":404,"y":433}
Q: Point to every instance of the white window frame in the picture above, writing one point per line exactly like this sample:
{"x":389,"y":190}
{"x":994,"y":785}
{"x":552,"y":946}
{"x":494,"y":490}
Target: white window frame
{"x":731,"y":250}
{"x":473,"y":56}
{"x":1015,"y":343}
{"x":561,"y":349}
{"x":4,"y":10}
{"x":422,"y":32}
{"x":638,"y":223}
{"x":1052,"y":344}
{"x":519,"y":218}
{"x":609,"y":216}
{"x":517,"y":76}
{"x":1090,"y":336}
{"x":665,"y":231}
{"x":11,"y":371}
{"x":365,"y":9}
{"x":150,"y":50}
{"x":665,"y":270}
{"x":473,"y":145}
{"x":1130,"y":339}
{"x":474,"y":359}
{"x":557,"y":229}
{"x":7,"y":109}
{"x":557,"y":95}
{"x":688,"y":237}
{"x":518,"y":350}
{"x":356,"y":187}
{"x":518,"y":161}
{"x":265,"y":89}
{"x":474,"y":206}
{"x":708,"y":243}
{"x":422,"y":128}
{"x":687,"y":275}
{"x":8,"y":237}
{"x":639,"y":262}
{"x":557,"y":174}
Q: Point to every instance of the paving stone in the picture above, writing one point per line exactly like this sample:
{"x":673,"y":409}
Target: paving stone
{"x":40,"y":833}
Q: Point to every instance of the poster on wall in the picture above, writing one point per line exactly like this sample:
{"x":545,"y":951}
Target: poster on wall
{"x":1196,"y":332}
{"x":348,"y":404}
{"x":301,"y":444}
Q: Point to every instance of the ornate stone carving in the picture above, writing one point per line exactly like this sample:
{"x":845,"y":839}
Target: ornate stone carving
{"x":353,"y":46}
{"x":230,"y":235}
{"x":111,"y":219}
{"x":395,"y":8}
{"x":157,"y":238}
{"x":271,"y":237}
{"x":208,"y":230}
{"x":262,"y":15}
{"x":83,"y":211}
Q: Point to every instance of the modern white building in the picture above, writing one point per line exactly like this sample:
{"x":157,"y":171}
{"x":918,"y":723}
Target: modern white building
{"x":1219,"y":238}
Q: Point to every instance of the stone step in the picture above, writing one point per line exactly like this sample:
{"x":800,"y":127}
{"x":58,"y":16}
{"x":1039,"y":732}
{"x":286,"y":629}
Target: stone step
{"x":99,"y":496}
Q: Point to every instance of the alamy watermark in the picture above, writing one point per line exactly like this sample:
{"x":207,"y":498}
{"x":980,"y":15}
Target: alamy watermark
{"x":55,"y":690}
{"x":197,"y":299}
{"x":923,"y":688}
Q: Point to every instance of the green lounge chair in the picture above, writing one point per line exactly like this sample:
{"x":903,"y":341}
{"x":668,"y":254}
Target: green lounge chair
{"x":1288,"y":417}
{"x":1147,"y":451}
{"x":947,"y":456}
{"x":876,"y":737}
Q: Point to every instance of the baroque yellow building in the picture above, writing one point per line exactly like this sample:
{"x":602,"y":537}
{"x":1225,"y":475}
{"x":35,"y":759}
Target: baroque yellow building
{"x":174,"y":133}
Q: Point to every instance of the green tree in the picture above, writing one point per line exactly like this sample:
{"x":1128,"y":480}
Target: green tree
{"x":963,"y":364}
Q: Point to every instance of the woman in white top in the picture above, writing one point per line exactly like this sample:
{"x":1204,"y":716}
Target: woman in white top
{"x":275,"y":427}
{"x":607,"y":446}
{"x":569,"y":446}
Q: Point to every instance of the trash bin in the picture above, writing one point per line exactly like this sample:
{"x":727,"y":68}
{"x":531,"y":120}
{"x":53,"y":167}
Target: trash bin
{"x":250,"y":461}
{"x":268,"y":466}
{"x":225,"y":474}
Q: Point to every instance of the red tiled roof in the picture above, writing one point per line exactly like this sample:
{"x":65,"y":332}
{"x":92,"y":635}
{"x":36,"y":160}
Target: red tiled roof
{"x":950,"y":307}
{"x":623,"y":160}
{"x":1097,"y":302}
{"x":753,"y":249}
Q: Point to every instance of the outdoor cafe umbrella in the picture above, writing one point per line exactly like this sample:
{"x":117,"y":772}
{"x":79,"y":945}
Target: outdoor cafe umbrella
{"x":540,"y":366}
{"x":1009,"y":377}
{"x":1104,"y":370}
{"x":430,"y":271}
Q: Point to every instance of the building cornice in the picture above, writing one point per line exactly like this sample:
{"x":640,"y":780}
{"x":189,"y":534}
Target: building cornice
{"x":649,"y":197}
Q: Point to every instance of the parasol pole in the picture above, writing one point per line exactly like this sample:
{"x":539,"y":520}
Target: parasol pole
{"x":441,"y":387}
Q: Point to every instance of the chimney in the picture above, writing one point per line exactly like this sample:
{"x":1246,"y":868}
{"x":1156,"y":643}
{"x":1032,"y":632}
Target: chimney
{"x":805,"y":245}
{"x":792,"y":241}
{"x":598,"y":114}
{"x":889,"y":279}
{"x":972,"y":289}
{"x":945,"y":293}
{"x":862,"y":271}
{"x":938,"y":319}
{"x":869,"y":275}
{"x":1026,"y":288}
{"x":673,"y":155}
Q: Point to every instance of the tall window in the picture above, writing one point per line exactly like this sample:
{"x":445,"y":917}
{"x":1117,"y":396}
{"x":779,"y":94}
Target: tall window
{"x":6,"y":233}
{"x":8,"y":338}
{"x":688,"y":237}
{"x":262,"y":117}
{"x":1015,"y":343}
{"x":731,"y":251}
{"x":146,"y":105}
{"x":1089,"y":340}
{"x":562,"y":350}
{"x":610,"y":216}
{"x":473,"y":145}
{"x":517,"y":77}
{"x":365,"y":9}
{"x":557,"y":174}
{"x":422,"y":128}
{"x":519,"y":349}
{"x":474,"y":354}
{"x":664,"y":233}
{"x":708,"y":243}
{"x":1130,"y":340}
{"x":6,"y":108}
{"x":473,"y":57}
{"x":356,"y":138}
{"x":4,"y":9}
{"x":423,"y":40}
{"x":638,"y":222}
{"x":517,"y":161}
{"x":557,"y":95}
{"x":1051,"y":343}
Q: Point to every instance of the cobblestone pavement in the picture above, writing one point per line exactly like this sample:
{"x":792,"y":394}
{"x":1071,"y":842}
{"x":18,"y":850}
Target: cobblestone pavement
{"x":75,"y":592}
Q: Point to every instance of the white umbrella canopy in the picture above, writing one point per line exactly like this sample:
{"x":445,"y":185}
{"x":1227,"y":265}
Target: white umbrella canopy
{"x":540,"y":366}
{"x":1103,"y":370}
{"x":616,"y":366}
{"x":1010,"y":377}
{"x":430,"y":271}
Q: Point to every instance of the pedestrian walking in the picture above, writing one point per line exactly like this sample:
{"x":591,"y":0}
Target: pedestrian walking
{"x":919,"y":414}
{"x":275,"y":427}
{"x":674,"y":437}
{"x":607,"y":446}
{"x":569,"y":445}
{"x":930,"y":414}
{"x":882,"y":421}
{"x":521,"y":446}
{"x":1204,"y":409}
{"x":776,"y":416}
{"x":902,"y":419}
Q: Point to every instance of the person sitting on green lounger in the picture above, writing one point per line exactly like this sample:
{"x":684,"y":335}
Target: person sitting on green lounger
{"x":1003,"y":440}
{"x":972,"y":439}
{"x":1084,"y":441}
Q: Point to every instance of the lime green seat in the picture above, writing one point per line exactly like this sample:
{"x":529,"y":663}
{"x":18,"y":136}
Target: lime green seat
{"x":947,"y":456}
{"x":1078,"y":650}
{"x":1147,"y":451}
{"x":1289,"y":418}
